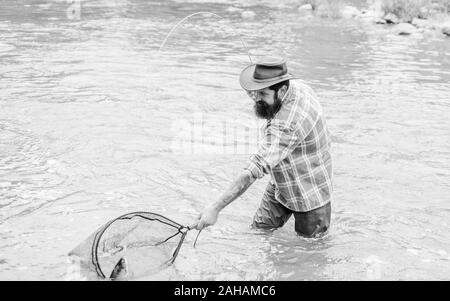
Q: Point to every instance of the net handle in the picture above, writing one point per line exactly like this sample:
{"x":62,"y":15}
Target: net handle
{"x":195,"y":241}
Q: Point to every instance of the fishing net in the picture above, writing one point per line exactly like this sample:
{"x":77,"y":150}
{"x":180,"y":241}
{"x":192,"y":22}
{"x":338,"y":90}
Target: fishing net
{"x":150,"y":242}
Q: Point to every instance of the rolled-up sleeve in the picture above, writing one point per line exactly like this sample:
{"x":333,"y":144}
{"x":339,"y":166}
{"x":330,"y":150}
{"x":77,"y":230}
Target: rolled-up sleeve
{"x":279,"y":141}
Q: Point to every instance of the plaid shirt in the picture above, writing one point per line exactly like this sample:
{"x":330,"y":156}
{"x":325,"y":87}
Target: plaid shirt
{"x":295,"y":150}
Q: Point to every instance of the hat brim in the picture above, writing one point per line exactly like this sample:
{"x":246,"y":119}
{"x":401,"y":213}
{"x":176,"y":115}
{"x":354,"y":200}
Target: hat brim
{"x":250,"y":84}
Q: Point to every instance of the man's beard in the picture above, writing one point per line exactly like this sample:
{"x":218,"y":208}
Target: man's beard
{"x":265,"y":111}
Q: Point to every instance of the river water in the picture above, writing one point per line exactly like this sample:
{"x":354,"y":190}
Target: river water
{"x":91,"y":110}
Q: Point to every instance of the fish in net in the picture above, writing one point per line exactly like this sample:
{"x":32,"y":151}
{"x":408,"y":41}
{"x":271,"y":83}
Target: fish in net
{"x":142,"y":242}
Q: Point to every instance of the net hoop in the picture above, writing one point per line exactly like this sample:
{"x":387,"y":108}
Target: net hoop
{"x":141,"y":214}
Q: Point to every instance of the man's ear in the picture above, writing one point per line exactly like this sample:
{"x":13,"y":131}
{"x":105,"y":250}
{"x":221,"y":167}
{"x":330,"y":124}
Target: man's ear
{"x":282,"y":92}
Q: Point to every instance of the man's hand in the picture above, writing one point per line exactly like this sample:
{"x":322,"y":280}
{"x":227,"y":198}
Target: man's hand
{"x":207,"y":218}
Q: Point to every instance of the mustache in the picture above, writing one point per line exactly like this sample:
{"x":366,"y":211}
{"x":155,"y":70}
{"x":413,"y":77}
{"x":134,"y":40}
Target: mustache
{"x":263,"y":110}
{"x":262,"y":104}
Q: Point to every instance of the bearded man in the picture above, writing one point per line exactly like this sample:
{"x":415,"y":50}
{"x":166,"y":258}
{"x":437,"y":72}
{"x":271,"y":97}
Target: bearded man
{"x":295,"y":151}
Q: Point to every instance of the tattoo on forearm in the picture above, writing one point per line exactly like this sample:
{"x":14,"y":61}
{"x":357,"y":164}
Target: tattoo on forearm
{"x":236,"y":189}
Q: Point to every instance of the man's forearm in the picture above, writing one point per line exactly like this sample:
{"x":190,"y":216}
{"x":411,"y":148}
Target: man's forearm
{"x":237,"y":188}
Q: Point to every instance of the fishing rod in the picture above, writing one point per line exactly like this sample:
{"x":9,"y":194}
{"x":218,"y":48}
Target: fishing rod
{"x":164,"y":43}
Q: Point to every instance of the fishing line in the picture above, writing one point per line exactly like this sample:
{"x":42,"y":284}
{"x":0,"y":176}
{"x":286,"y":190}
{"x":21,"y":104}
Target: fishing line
{"x":210,"y":13}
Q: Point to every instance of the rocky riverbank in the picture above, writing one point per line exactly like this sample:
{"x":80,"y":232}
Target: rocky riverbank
{"x":427,"y":18}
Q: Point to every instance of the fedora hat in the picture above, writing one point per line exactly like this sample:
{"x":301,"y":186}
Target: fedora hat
{"x":266,"y":72}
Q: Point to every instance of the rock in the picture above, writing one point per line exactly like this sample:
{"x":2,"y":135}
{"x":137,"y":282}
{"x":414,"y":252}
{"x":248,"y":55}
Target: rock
{"x":391,"y":19}
{"x":424,"y":13}
{"x":233,"y":9}
{"x":323,"y":12}
{"x":327,"y":11}
{"x":435,"y":9}
{"x":405,"y":29}
{"x":420,"y":23}
{"x":446,"y":28}
{"x":248,"y":14}
{"x":380,"y":21}
{"x":436,"y":6}
{"x":367,"y":13}
{"x":366,"y":16}
{"x":349,"y":12}
{"x":305,"y":8}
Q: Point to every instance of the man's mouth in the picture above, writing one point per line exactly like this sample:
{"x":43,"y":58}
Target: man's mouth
{"x":261,"y":104}
{"x":262,"y":109}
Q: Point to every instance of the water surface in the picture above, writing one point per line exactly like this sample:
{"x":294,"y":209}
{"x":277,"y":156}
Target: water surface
{"x":88,"y":118}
